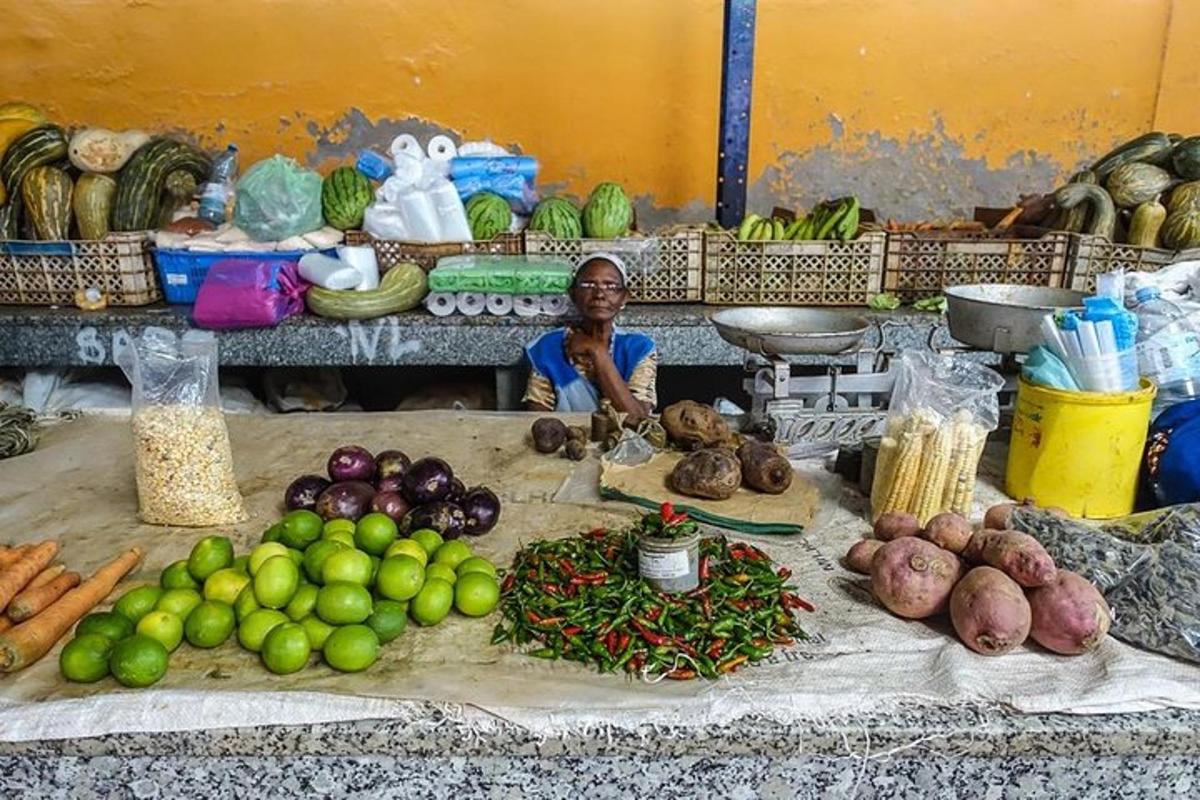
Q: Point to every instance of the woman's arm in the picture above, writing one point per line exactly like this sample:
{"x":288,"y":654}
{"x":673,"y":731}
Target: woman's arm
{"x":613,"y":386}
{"x":539,"y":393}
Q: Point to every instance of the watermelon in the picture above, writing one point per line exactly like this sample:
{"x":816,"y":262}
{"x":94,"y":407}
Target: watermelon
{"x":608,"y":213}
{"x":488,"y":215}
{"x":557,"y":217}
{"x":345,"y":195}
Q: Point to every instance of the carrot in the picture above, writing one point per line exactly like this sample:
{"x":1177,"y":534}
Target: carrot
{"x":33,"y":638}
{"x":45,"y":576}
{"x":12,"y":555}
{"x":16,"y":577}
{"x":35,"y":598}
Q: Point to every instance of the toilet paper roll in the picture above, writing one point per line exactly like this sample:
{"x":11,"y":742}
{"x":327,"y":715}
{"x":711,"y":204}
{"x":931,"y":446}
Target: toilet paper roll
{"x":527,"y":305}
{"x":406,"y":145}
{"x":440,"y":304}
{"x":555,"y":305}
{"x":471,"y":303}
{"x":500,"y":304}
{"x":362,"y":258}
{"x":441,"y":148}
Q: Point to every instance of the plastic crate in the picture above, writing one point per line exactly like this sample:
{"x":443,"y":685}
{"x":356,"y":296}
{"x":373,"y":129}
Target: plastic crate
{"x":50,"y":273}
{"x":390,"y":252}
{"x":1095,"y":255}
{"x":804,"y":273}
{"x":183,"y":271}
{"x":921,"y":264}
{"x":666,"y":267}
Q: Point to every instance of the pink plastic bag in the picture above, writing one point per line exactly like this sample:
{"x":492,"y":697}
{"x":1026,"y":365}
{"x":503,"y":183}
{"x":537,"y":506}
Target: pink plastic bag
{"x":249,"y":294}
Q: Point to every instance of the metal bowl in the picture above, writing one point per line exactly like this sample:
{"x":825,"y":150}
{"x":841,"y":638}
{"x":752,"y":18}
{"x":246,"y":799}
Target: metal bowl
{"x":1003,"y":318}
{"x":791,"y":331}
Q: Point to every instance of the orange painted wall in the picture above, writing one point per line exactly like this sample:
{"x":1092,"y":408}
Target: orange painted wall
{"x":921,"y":106}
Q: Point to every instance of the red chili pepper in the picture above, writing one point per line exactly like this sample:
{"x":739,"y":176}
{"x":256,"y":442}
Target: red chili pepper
{"x":649,"y":635}
{"x":636,"y":662}
{"x":572,"y":630}
{"x":547,"y":622}
{"x":740,"y":605}
{"x":791,"y":600}
{"x":737,"y":554}
{"x":550,"y":588}
{"x":784,"y":573}
{"x":596,"y":533}
{"x":589,"y":578}
{"x":731,"y":664}
{"x":786,"y":641}
{"x":716,"y":648}
{"x":610,"y":554}
{"x":624,"y":641}
{"x":703,"y":569}
{"x":666,"y":512}
{"x":707,"y":604}
{"x":685,"y":647}
{"x":654,"y":613}
{"x":610,"y":643}
{"x":531,"y":573}
{"x":533,"y":617}
{"x":566,"y":566}
{"x":507,"y":585}
{"x":681,"y":674}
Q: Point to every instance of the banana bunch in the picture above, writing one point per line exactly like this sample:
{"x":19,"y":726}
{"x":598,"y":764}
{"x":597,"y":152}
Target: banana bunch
{"x":835,"y":219}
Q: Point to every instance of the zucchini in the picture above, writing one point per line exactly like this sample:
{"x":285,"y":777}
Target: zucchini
{"x":1103,"y":217}
{"x":140,"y":182}
{"x":402,"y":287}
{"x":43,"y":145}
{"x":1149,"y":147}
{"x":46,"y":192}
{"x":1147,"y":219}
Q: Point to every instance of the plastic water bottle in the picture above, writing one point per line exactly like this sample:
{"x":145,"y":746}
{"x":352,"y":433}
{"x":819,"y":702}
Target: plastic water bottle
{"x":1168,"y":348}
{"x":214,"y":198}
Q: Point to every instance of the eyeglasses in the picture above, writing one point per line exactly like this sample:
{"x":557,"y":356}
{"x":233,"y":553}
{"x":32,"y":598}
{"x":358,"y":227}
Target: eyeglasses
{"x":608,"y":287}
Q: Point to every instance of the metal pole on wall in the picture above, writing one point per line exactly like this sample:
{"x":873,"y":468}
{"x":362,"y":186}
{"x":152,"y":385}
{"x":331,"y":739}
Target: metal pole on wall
{"x":733,"y":146}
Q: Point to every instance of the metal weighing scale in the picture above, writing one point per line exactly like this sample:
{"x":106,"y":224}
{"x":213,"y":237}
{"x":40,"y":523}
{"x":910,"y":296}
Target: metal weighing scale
{"x":849,"y":402}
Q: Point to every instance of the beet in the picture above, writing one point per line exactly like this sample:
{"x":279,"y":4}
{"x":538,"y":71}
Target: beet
{"x":391,"y":464}
{"x":391,"y":503}
{"x":351,"y":463}
{"x":345,"y":500}
{"x":482,"y":509}
{"x":427,"y":481}
{"x":447,"y":519}
{"x":390,"y":483}
{"x":303,"y":492}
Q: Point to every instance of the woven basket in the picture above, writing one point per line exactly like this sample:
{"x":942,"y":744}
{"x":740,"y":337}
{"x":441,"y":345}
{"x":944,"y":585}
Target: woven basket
{"x":1095,"y":255}
{"x":390,"y":252}
{"x":50,"y":273}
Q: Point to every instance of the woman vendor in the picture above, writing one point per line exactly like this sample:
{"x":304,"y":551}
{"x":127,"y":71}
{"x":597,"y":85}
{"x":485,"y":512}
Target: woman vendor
{"x":573,"y":368}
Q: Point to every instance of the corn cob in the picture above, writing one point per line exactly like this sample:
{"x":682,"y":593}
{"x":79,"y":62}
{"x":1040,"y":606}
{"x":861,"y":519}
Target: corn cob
{"x":885,"y":474}
{"x":961,"y":450}
{"x":962,"y":503}
{"x":908,"y":464}
{"x":934,"y":475}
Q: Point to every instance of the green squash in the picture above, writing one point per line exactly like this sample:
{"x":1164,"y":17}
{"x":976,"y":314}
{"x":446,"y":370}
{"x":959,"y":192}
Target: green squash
{"x":1185,"y":158}
{"x":1181,"y":229}
{"x":1130,"y":185}
{"x":46,"y":192}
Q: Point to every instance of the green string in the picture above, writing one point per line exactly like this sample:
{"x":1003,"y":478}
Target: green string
{"x":18,"y":430}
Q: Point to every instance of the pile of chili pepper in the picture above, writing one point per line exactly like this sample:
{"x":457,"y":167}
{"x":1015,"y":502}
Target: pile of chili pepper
{"x":582,"y":599}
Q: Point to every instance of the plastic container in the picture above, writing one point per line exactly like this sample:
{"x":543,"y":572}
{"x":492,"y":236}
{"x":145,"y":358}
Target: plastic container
{"x":214,"y":197}
{"x":670,"y":565}
{"x":1168,"y":348}
{"x":1080,"y":451}
{"x":182,"y":271}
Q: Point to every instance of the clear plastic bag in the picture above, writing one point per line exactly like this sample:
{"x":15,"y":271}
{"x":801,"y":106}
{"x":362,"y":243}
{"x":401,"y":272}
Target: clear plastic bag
{"x":941,"y":411}
{"x":278,"y":198}
{"x":182,"y":457}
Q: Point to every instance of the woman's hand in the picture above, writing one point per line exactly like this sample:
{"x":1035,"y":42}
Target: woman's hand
{"x":582,"y":347}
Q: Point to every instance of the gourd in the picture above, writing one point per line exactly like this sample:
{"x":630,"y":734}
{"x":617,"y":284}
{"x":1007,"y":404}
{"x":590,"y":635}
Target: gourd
{"x":402,"y":287}
{"x":1181,"y":229}
{"x":1074,"y":219}
{"x":178,"y":190}
{"x":1145,"y":148}
{"x":1185,"y":158}
{"x":1103,"y":218}
{"x":1147,"y":219}
{"x":93,"y":204}
{"x":1185,"y":195}
{"x":102,"y":150}
{"x":44,"y":144}
{"x":20,"y":110}
{"x":140,"y":182}
{"x":1130,"y":185}
{"x":47,"y":195}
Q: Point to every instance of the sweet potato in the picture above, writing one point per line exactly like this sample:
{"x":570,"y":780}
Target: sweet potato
{"x":895,"y":525}
{"x":997,"y":518}
{"x":1070,"y":616}
{"x":913,"y":578}
{"x":858,"y":557}
{"x":713,"y":473}
{"x":692,"y":426}
{"x":1019,"y":555}
{"x":989,"y":612}
{"x":948,"y":531}
{"x":763,"y":468}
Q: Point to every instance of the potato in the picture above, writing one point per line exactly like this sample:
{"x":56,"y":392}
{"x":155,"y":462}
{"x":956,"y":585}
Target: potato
{"x":989,"y":611}
{"x":763,"y":468}
{"x":1070,"y":616}
{"x":948,"y":531}
{"x":913,"y":578}
{"x":858,"y":557}
{"x":713,"y":473}
{"x":1019,"y":555}
{"x":896,"y":524}
{"x":692,"y":426}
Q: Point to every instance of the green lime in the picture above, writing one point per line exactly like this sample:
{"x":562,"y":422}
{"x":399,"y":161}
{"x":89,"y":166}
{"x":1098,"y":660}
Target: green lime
{"x":255,"y":627}
{"x":85,"y":658}
{"x":443,"y":571}
{"x":302,"y":603}
{"x":264,"y":551}
{"x":209,"y":555}
{"x":338,"y":526}
{"x":315,"y":555}
{"x":400,"y":578}
{"x":241,"y":564}
{"x":179,"y":602}
{"x":209,"y":624}
{"x":176,"y":576}
{"x":276,"y":582}
{"x":273,"y":533}
{"x":245,"y":604}
{"x":429,"y":540}
{"x":342,"y":603}
{"x":108,"y":624}
{"x":407,"y":547}
{"x":286,"y":649}
{"x":297,"y":556}
{"x":452,"y":553}
{"x":351,"y":648}
{"x":138,"y":661}
{"x":225,"y":585}
{"x":388,"y":620}
{"x":375,"y":532}
{"x":301,"y":528}
{"x":476,"y":594}
{"x":476,"y":564}
{"x":162,"y":626}
{"x":342,"y":537}
{"x":375,"y":562}
{"x":349,"y":565}
{"x":137,"y":602}
{"x":432,"y":603}
{"x":317,"y":629}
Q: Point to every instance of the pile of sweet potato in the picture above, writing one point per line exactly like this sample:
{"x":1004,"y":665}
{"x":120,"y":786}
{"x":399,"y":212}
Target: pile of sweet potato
{"x":1000,"y":586}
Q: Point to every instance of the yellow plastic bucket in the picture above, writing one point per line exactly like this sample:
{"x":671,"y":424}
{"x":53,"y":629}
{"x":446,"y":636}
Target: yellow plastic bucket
{"x":1080,"y":451}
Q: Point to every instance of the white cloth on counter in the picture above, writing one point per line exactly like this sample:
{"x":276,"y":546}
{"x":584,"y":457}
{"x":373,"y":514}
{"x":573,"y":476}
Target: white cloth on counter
{"x":1179,"y":283}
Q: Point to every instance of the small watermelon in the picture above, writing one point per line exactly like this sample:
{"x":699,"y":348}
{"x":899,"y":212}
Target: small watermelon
{"x":608,"y":212}
{"x":489,"y":215}
{"x":345,"y":195}
{"x":557,"y":217}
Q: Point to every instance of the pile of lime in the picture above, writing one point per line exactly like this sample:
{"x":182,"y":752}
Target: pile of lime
{"x":337,"y":587}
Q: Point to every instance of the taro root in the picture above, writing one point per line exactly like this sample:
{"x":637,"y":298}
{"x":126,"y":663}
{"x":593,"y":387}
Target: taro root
{"x":858,"y":557}
{"x":692,"y":426}
{"x":763,"y":468}
{"x":1070,"y":616}
{"x":896,"y":525}
{"x":948,"y":531}
{"x":989,"y":612}
{"x":548,"y":434}
{"x":577,"y":433}
{"x":913,"y":578}
{"x":714,"y":474}
{"x":575,"y":450}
